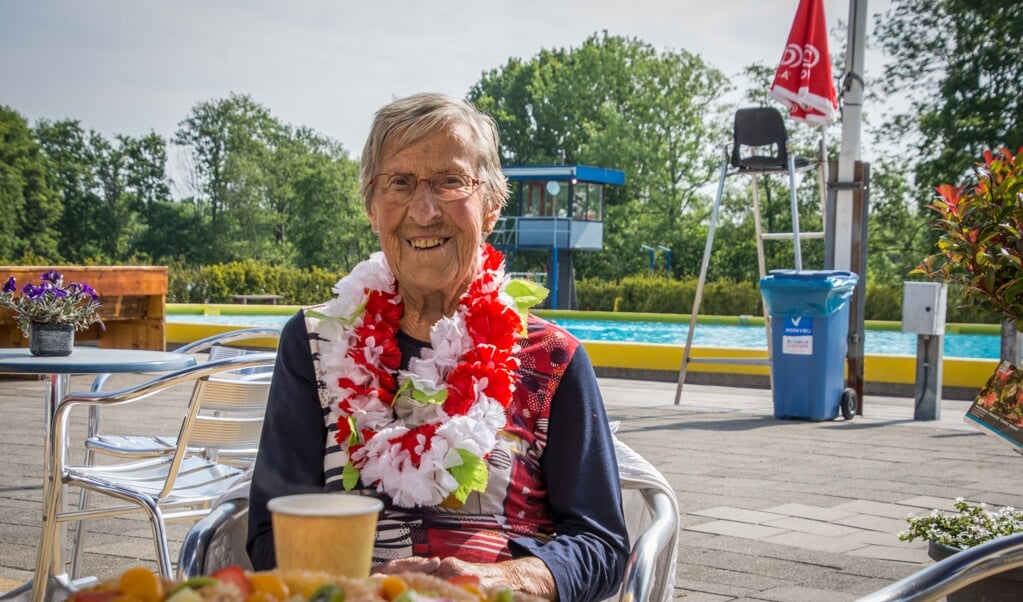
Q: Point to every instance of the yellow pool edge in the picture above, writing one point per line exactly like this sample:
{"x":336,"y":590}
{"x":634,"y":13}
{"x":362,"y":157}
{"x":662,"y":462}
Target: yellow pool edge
{"x":644,"y":357}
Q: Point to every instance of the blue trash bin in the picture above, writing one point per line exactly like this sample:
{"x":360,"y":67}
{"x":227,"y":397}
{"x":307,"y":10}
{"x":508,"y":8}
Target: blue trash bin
{"x":809,"y":312}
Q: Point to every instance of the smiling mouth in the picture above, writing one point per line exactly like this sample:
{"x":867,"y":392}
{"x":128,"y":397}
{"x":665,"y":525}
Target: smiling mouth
{"x":427,"y":243}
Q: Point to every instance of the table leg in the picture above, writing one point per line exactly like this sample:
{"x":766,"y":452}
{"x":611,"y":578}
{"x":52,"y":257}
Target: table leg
{"x":48,"y":573}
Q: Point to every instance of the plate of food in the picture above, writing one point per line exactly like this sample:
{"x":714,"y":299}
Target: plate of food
{"x":233,"y":584}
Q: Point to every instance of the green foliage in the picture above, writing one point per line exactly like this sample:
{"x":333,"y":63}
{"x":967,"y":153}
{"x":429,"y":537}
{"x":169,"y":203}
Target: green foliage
{"x":957,"y":63}
{"x":30,"y":209}
{"x":731,"y":298}
{"x":217,"y":283}
{"x":980,"y":246}
{"x":660,"y":295}
{"x":970,"y":525}
{"x":620,"y":103}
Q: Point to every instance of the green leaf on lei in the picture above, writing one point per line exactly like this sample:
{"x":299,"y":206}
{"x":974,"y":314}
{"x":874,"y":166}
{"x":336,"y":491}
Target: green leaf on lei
{"x":319,"y":315}
{"x":525,"y":294}
{"x":353,"y":431}
{"x":408,"y":389}
{"x":471,"y":475}
{"x":350,"y":476}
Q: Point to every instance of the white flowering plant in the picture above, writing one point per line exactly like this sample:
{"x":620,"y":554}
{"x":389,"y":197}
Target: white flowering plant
{"x":970,"y":525}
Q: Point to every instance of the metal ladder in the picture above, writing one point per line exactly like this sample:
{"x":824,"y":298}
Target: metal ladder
{"x":795,"y":236}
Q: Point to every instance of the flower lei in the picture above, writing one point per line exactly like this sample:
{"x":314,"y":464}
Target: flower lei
{"x":421,"y":435}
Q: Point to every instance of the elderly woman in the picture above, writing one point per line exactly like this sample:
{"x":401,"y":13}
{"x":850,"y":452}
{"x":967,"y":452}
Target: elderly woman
{"x":426,"y":383}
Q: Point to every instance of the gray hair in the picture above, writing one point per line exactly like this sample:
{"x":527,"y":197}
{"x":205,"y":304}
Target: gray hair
{"x":408,"y":119}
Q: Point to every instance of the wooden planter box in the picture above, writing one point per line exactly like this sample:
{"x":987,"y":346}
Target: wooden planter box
{"x":133,"y":302}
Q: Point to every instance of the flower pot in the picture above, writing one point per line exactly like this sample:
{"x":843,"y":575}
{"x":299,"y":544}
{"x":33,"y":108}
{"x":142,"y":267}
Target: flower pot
{"x":996,"y":588}
{"x":51,"y":338}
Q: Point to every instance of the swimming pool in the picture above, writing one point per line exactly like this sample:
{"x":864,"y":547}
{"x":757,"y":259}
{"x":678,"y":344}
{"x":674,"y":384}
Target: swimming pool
{"x":975,"y":346}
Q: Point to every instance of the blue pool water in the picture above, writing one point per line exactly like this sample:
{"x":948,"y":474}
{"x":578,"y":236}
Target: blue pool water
{"x":974,"y":346}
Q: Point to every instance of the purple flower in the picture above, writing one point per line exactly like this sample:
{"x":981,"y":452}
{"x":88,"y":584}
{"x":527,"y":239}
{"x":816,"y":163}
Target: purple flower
{"x":52,"y":276}
{"x":11,"y":285}
{"x":31,"y":291}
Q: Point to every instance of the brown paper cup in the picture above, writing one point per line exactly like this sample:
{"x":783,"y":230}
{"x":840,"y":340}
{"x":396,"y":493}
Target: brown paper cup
{"x":332,"y":532}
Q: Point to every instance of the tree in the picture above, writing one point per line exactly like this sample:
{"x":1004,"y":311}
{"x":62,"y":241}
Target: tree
{"x":72,"y":175}
{"x":957,"y":61}
{"x":616,"y":102}
{"x":229,"y":140}
{"x":29,"y":222}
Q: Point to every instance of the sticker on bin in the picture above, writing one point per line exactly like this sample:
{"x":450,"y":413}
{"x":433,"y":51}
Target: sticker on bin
{"x":797,"y":335}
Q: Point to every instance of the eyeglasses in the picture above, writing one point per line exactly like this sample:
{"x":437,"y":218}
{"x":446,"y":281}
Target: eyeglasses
{"x":399,"y":187}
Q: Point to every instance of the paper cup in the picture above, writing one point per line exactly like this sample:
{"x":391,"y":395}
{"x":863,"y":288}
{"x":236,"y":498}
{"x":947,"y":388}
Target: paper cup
{"x":332,"y":532}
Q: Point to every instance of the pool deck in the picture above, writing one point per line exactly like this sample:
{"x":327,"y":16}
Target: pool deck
{"x":781,"y":510}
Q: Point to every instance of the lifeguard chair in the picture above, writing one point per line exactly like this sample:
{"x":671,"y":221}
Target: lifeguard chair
{"x":759,"y":146}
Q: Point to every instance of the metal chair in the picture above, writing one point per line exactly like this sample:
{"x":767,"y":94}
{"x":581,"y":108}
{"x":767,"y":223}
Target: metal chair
{"x":649,"y":503}
{"x":179,"y":486}
{"x":231,"y":417}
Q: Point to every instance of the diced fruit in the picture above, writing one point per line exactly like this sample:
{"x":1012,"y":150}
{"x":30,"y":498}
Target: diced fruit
{"x":234,"y":575}
{"x":185,"y":594}
{"x":141,"y":583}
{"x":194,"y":583}
{"x":269,"y":584}
{"x":328,"y":592}
{"x":391,"y":587}
{"x":262,"y":597}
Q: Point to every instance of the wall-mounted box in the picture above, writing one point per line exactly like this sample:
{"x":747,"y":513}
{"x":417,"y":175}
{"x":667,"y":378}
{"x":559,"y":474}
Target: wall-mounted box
{"x":923,"y":307}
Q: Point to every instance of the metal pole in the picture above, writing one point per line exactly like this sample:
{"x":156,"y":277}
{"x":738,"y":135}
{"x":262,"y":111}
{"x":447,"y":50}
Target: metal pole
{"x":651,"y":251}
{"x":852,"y":108}
{"x":927,"y":393}
{"x":667,"y":260}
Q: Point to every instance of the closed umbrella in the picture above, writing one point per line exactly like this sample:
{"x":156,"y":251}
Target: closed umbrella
{"x":803,"y":80}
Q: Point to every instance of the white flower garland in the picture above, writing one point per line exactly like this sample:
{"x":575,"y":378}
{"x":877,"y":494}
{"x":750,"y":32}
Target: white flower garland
{"x":415,"y":434}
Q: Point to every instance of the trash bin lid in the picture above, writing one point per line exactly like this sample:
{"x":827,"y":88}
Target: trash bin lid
{"x":813,"y":293}
{"x":810,"y":279}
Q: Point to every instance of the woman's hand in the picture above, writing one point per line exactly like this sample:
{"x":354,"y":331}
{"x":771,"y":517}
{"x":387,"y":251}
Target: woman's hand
{"x":412,"y":564}
{"x":528,"y":575}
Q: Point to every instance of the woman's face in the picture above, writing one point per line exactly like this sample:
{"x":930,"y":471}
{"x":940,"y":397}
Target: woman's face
{"x":430,"y":244}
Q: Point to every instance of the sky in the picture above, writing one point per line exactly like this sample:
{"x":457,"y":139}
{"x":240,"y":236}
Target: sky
{"x":135,"y":66}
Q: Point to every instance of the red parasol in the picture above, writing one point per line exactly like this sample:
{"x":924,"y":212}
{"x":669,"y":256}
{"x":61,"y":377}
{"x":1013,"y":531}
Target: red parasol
{"x":803,"y":80}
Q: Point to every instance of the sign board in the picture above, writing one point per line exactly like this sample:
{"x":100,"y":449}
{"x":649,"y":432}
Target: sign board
{"x":997,"y":410}
{"x":797,"y":335}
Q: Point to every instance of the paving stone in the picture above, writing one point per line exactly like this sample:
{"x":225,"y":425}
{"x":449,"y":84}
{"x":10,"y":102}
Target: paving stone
{"x":739,"y":514}
{"x":875,"y":523}
{"x":792,"y":593}
{"x":834,"y":545}
{"x":815,"y":527}
{"x":900,"y":510}
{"x":900,"y":554}
{"x":811,"y":512}
{"x":737,"y":529}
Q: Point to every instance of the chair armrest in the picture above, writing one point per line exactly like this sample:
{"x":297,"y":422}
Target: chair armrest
{"x":196,"y":544}
{"x":230,"y":337}
{"x":639,"y":570}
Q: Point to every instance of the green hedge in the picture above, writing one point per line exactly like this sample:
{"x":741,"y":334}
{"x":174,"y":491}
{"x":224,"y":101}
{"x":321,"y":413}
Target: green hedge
{"x":216,"y":283}
{"x":641,"y":294}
